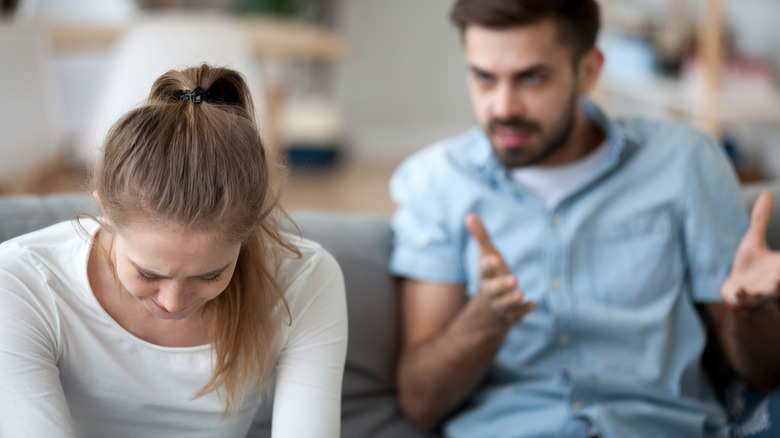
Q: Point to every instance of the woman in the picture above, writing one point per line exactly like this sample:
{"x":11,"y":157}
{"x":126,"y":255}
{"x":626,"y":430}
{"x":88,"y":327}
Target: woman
{"x":168,"y":315}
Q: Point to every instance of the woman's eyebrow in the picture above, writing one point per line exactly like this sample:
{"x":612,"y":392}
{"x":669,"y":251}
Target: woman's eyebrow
{"x":150,"y":273}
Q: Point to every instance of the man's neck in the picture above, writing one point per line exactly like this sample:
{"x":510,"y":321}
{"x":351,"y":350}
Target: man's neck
{"x":585,"y":137}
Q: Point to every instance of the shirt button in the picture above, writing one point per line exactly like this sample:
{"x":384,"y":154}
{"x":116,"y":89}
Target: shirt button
{"x":576,"y":406}
{"x":555,"y":283}
{"x":555,"y":219}
{"x":563,"y":339}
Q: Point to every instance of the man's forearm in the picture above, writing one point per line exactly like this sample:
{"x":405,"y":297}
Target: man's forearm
{"x":437,"y":375}
{"x":751,"y":341}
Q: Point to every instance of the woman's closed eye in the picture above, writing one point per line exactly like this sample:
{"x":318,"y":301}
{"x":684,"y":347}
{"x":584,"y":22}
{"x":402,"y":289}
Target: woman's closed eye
{"x":146,"y":278}
{"x":212,"y":279}
{"x":151,"y":278}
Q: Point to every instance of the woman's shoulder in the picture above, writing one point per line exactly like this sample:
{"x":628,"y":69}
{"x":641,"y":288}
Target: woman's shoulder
{"x":310,"y":254}
{"x":52,"y":237}
{"x":312,"y":263}
{"x":40,"y":257}
{"x":38,"y":272}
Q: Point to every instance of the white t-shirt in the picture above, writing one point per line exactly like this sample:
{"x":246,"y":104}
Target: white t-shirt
{"x":551,"y":184}
{"x":67,"y":369}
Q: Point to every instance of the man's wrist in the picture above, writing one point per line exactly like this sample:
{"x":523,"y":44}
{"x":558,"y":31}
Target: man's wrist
{"x":748,"y":309}
{"x":491,"y":320}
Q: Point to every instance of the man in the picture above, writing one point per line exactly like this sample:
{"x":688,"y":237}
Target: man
{"x":553,"y":260}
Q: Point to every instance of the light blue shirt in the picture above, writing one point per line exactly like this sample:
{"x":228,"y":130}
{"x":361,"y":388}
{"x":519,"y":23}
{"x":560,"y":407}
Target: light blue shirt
{"x":615,"y":269}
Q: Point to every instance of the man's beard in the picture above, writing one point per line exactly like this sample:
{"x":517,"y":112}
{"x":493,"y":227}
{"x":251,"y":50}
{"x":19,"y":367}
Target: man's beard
{"x":520,"y":157}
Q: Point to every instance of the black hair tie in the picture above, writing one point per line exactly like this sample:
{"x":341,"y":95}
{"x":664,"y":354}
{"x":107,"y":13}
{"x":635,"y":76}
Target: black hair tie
{"x":195,"y":96}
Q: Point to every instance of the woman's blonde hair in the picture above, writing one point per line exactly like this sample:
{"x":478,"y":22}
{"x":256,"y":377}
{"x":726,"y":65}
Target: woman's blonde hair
{"x":192,"y":155}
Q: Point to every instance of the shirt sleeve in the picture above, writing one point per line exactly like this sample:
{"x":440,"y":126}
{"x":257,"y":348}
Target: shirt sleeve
{"x":32,"y":401}
{"x":715,"y":219}
{"x":424,"y":246}
{"x":307,"y":397}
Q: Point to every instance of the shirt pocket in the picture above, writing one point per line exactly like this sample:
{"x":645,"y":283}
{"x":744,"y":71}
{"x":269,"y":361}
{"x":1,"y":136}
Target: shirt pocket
{"x":630,"y":263}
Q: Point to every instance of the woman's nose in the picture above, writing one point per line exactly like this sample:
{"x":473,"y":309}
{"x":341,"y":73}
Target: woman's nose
{"x":173,"y":296}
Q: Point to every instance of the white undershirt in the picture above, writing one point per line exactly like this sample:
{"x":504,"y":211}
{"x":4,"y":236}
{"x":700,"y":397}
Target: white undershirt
{"x":551,"y":184}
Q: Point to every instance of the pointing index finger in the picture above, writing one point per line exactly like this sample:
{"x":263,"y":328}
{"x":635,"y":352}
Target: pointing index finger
{"x":480,"y":234}
{"x":759,"y":219}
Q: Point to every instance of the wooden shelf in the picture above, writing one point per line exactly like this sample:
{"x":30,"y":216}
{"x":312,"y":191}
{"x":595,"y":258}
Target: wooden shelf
{"x":285,"y":39}
{"x":277,"y":42}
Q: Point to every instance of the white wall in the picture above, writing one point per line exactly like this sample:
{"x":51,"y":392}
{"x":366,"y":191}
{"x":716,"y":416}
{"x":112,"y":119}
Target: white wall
{"x":403,"y":86}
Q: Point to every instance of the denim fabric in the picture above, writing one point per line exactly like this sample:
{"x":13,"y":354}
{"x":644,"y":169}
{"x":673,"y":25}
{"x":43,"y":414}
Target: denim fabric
{"x":756,"y":415}
{"x":615,"y":269}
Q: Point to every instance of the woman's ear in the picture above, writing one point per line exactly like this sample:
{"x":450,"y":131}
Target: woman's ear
{"x":100,"y":206}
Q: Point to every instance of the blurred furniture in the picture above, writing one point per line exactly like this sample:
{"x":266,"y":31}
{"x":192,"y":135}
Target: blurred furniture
{"x":154,"y":44}
{"x":268,"y":37}
{"x":275,"y":42}
{"x":74,"y":11}
{"x":706,"y":99}
{"x":29,"y":121}
{"x":77,"y":71}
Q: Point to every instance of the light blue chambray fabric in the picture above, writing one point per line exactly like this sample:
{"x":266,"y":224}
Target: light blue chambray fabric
{"x":615,"y":269}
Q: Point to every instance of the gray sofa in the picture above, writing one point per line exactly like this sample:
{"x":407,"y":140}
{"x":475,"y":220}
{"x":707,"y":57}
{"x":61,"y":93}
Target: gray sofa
{"x":362,"y":246}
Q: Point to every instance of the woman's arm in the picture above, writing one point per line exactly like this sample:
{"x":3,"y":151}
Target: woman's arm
{"x":307,"y":398}
{"x":32,"y":402}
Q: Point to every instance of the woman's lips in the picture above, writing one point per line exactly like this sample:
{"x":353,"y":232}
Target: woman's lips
{"x":162,"y":309}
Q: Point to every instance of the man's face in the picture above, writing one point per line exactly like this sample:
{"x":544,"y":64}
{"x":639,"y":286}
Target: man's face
{"x":524,"y":92}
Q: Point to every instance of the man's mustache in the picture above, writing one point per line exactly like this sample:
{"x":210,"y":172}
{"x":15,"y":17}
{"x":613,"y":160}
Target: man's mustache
{"x":514,"y":122}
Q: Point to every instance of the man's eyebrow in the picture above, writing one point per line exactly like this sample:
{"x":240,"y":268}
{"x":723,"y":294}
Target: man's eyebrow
{"x":478,"y":70}
{"x":535,"y":68}
{"x":150,"y":273}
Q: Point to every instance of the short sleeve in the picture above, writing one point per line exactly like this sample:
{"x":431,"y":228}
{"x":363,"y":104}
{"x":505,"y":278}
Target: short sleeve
{"x":307,"y":397}
{"x":424,"y":247}
{"x":32,"y":402}
{"x":715,"y":219}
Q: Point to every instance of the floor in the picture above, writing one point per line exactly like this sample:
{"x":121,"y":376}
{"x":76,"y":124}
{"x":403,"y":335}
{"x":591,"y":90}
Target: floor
{"x":346,"y":187}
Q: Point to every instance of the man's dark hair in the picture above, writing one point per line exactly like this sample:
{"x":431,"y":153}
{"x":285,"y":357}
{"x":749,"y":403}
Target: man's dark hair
{"x":577,"y":20}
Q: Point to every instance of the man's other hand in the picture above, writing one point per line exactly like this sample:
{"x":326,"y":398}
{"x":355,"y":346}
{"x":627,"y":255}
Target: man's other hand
{"x":755,"y":273}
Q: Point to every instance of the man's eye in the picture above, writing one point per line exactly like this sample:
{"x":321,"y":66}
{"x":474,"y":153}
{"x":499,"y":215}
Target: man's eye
{"x":483,"y":78}
{"x":532,"y":79}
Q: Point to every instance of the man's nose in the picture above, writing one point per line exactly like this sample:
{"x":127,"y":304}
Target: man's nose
{"x":507,"y":102}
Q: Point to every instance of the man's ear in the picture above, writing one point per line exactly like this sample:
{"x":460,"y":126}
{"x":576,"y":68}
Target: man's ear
{"x":590,"y":69}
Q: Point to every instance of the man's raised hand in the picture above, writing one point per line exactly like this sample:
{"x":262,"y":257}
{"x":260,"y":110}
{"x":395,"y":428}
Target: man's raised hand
{"x":497,"y":285}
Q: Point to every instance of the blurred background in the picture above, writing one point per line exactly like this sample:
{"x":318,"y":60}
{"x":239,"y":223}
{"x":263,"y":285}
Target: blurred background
{"x":346,"y":89}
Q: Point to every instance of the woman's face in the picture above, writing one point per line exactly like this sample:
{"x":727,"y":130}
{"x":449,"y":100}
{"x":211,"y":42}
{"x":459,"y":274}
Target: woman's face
{"x":173,"y":270}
